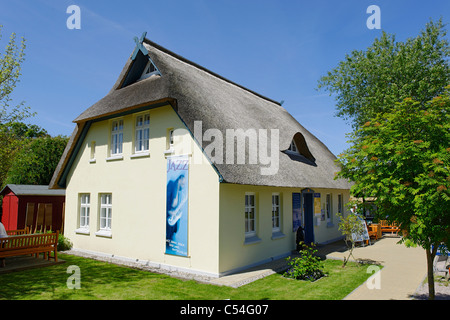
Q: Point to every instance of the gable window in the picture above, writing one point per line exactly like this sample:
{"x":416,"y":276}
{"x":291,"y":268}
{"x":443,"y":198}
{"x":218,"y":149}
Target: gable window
{"x":275,"y":212}
{"x":250,"y":215}
{"x":117,"y":137}
{"x":149,"y":70}
{"x":142,"y":136}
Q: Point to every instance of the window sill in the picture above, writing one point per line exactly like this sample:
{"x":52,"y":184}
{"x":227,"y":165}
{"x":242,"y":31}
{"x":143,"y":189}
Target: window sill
{"x":278,"y":235}
{"x":92,"y":160}
{"x":145,"y":154}
{"x":252,"y":240}
{"x":82,"y":231}
{"x":169,"y":151}
{"x":115,"y":157}
{"x":104,"y":233}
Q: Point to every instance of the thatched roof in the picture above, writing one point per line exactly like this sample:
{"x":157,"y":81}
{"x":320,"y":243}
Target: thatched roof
{"x":197,"y":94}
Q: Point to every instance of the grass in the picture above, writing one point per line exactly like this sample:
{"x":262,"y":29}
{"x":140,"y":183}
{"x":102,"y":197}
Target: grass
{"x":105,"y":281}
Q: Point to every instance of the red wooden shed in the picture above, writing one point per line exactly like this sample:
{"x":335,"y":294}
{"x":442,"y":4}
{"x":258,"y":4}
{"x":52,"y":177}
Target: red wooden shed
{"x":36,"y":207}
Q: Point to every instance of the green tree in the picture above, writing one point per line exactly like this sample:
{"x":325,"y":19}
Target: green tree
{"x":349,"y":226}
{"x":37,"y":160}
{"x":10,"y":71}
{"x":402,"y":158}
{"x":372,"y":81}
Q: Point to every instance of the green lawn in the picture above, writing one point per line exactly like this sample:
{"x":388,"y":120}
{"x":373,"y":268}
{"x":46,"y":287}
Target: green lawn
{"x":104,"y":281}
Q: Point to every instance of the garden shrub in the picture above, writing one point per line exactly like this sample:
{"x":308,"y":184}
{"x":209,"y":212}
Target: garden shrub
{"x":306,"y":267}
{"x":64,"y":243}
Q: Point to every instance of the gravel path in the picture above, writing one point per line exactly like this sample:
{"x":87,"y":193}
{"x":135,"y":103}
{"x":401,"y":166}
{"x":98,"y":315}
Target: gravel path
{"x":442,"y":291}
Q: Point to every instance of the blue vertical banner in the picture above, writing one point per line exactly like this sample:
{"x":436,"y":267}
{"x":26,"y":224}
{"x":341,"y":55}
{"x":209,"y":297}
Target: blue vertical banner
{"x":296,"y":211}
{"x":177,"y":205}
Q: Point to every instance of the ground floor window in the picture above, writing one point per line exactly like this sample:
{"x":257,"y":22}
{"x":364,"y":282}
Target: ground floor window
{"x":250,"y":215}
{"x":275,"y":212}
{"x":84,"y":211}
{"x":105,"y":211}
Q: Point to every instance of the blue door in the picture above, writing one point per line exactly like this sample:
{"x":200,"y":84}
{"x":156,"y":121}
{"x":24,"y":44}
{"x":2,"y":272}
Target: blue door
{"x":308,"y":209}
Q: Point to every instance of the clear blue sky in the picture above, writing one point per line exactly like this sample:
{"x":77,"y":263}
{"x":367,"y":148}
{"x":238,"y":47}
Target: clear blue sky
{"x":276,"y":48}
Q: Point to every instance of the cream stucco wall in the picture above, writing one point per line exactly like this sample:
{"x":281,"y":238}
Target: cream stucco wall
{"x":236,"y":253}
{"x":138,"y":188}
{"x":216,"y":235}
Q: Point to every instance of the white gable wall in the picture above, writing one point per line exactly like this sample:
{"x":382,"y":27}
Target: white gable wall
{"x":138,"y":188}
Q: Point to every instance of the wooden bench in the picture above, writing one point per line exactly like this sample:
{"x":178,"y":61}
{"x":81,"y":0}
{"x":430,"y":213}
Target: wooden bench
{"x":30,"y":244}
{"x":386,"y":227}
{"x":18,"y":232}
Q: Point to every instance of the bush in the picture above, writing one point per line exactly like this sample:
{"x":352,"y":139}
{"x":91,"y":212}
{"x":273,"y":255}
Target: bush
{"x":64,"y":243}
{"x":306,"y":267}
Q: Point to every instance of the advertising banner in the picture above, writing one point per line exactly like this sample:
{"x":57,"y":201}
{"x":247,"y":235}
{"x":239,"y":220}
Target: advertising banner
{"x":296,"y":211}
{"x":177,"y":205}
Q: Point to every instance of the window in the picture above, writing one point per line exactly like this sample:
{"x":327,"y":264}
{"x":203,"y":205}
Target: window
{"x":142,"y":138}
{"x":293,"y":147}
{"x":171,"y":138}
{"x":329,"y":208}
{"x":341,"y":203}
{"x":250,"y":215}
{"x":275,"y":212}
{"x":117,"y":137}
{"x":149,"y":70}
{"x":92,"y":156}
{"x":105,"y":211}
{"x":84,"y":211}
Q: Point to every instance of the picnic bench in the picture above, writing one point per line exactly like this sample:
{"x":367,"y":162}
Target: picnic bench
{"x":389,"y":227}
{"x":17,"y":245}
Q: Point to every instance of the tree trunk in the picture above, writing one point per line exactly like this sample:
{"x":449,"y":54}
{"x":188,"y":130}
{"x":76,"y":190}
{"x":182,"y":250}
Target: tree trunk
{"x":431,"y":253}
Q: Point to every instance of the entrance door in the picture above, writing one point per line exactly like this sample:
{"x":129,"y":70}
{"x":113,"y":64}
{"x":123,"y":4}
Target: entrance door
{"x":308,"y":209}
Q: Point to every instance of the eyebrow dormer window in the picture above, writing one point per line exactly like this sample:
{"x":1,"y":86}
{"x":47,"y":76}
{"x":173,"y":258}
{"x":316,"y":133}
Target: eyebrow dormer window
{"x":293,"y":147}
{"x":298,"y":150}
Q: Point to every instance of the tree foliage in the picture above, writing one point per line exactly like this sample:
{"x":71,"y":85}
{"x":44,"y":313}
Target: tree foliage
{"x":372,"y":81}
{"x":10,"y":70}
{"x":37,"y":160}
{"x":402,"y":158}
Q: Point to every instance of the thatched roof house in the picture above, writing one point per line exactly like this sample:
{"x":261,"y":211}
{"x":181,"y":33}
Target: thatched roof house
{"x":217,"y":217}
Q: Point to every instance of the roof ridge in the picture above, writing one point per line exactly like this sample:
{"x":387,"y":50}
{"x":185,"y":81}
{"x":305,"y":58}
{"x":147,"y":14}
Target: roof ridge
{"x":196,"y":65}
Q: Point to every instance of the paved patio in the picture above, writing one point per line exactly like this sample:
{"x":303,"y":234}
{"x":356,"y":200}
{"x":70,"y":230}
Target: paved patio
{"x":403,"y":270}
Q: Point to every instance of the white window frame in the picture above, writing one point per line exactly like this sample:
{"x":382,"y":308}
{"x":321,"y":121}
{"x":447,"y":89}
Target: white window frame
{"x":250,"y":215}
{"x":145,"y":74}
{"x":142,"y":133}
{"x":276,"y":213}
{"x":84,"y":213}
{"x":116,"y":147}
{"x":105,"y":215}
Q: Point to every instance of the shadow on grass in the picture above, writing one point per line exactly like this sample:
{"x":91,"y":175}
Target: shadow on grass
{"x":51,"y":282}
